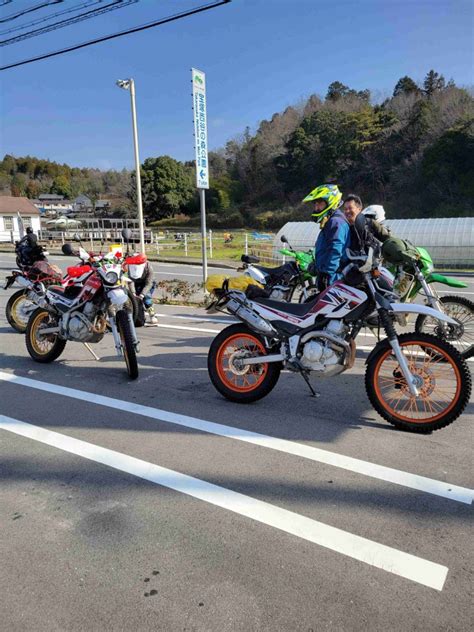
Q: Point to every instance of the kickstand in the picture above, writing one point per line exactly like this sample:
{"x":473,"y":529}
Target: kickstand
{"x":89,"y":349}
{"x":306,"y":379}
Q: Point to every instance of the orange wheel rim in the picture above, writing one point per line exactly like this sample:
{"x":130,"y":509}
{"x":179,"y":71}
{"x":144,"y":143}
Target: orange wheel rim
{"x":241,"y":379}
{"x":439,"y":383}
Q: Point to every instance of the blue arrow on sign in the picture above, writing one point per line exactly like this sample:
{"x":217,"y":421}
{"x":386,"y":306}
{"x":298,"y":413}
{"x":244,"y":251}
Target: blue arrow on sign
{"x":201,"y":173}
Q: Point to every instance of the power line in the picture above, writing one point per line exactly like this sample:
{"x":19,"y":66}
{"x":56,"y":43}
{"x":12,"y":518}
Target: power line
{"x":36,"y":7}
{"x":51,"y":16}
{"x":116,"y":4}
{"x":136,"y":29}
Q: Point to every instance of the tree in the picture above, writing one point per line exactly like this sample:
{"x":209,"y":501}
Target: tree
{"x":18,"y":185}
{"x":433,"y":83}
{"x":167,"y":187}
{"x":337,"y":91}
{"x":405,"y":85}
{"x":448,"y":168}
{"x":61,"y":186}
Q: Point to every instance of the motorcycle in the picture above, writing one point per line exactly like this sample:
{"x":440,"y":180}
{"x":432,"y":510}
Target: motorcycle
{"x":282,"y":282}
{"x":83,"y":313}
{"x":32,"y":268}
{"x":416,"y":277}
{"x":415,"y":381}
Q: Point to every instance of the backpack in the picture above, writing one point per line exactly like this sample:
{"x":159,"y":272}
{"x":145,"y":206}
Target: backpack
{"x":397,"y":251}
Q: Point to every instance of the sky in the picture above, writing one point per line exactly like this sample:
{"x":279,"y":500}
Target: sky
{"x":259,"y":56}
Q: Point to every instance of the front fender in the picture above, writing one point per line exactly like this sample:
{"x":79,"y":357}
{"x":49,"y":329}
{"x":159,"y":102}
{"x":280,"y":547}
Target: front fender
{"x":415,"y":308}
{"x":382,"y":344}
{"x":434,"y":277}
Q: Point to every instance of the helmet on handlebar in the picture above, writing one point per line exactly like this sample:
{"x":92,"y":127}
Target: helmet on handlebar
{"x":330,"y":194}
{"x":375,"y":211}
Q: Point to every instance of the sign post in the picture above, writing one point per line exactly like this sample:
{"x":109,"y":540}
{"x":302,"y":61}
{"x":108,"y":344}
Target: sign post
{"x":202,"y":163}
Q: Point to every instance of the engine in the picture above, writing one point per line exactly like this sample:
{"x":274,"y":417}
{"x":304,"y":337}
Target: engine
{"x":279,"y":293}
{"x":84,"y":326}
{"x":325,"y":351}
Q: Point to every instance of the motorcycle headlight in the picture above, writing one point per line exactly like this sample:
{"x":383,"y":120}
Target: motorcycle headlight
{"x":111,"y":277}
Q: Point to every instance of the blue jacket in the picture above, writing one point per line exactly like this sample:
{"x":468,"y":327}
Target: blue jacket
{"x":331,"y":245}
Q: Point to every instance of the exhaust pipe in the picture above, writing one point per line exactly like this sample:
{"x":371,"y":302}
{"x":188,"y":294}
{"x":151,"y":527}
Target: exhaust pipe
{"x":250,"y":317}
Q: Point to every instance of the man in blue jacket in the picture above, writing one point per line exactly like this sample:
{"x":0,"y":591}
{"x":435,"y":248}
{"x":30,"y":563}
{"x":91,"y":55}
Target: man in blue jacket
{"x":334,"y":236}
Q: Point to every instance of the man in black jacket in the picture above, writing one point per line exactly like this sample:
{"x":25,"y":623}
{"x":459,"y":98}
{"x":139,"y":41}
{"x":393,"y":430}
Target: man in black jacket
{"x":375,"y":232}
{"x":27,"y":246}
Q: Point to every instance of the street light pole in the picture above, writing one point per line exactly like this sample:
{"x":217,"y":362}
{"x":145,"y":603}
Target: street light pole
{"x":129,"y":84}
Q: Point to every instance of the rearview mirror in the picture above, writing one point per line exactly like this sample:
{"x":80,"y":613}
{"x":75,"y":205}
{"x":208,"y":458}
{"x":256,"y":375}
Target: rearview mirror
{"x":284,"y":239}
{"x":76,"y":237}
{"x":126,"y":234}
{"x":67,"y":250}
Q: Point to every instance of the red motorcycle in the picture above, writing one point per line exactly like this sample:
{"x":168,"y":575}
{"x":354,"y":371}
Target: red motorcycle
{"x":94,"y":302}
{"x":31,"y":270}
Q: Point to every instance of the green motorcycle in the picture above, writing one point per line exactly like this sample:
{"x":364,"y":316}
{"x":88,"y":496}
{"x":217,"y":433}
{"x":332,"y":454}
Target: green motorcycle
{"x":303,"y":260}
{"x":289,"y":282}
{"x":416,"y":276}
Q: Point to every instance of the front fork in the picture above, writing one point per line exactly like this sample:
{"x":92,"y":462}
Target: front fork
{"x":391,"y":332}
{"x":432,"y":297}
{"x":389,"y":327}
{"x":115,"y":334}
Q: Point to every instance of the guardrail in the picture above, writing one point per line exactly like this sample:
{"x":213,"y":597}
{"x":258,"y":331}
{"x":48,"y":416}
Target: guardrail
{"x":219,"y":245}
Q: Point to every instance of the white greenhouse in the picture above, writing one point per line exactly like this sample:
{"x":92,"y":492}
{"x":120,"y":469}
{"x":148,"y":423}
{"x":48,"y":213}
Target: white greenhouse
{"x":450,"y":241}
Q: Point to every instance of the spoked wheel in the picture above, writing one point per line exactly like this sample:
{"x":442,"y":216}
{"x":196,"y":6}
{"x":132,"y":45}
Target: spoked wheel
{"x":18,"y":310}
{"x":442,"y":378}
{"x":461,"y":336}
{"x":238,"y":382}
{"x":128,"y":346}
{"x":138,"y":311}
{"x":43,"y":347}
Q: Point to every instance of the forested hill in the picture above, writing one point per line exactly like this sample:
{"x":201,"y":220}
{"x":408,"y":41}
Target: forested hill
{"x":414,"y":153}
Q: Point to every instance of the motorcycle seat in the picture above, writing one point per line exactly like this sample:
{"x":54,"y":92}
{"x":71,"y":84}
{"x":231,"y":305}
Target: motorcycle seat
{"x":249,"y":259}
{"x":286,"y":267}
{"x":297,"y":309}
{"x":56,"y":289}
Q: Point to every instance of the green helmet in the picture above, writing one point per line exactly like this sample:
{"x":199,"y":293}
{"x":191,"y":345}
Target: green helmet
{"x":330,"y":194}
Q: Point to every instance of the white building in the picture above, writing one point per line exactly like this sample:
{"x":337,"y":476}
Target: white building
{"x":52,"y":204}
{"x":10,"y":207}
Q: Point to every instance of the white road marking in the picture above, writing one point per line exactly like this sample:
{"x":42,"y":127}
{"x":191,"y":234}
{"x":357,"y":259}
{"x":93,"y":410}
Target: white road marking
{"x":380,"y":472}
{"x":210,"y":331}
{"x":200,"y":318}
{"x":373,"y":553}
{"x":222,"y":321}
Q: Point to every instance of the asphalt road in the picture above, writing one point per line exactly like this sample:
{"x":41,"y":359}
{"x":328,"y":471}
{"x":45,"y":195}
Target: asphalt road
{"x":150,"y":505}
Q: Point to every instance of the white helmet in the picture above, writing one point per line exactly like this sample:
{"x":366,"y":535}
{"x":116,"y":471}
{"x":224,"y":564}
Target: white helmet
{"x":376,"y":211}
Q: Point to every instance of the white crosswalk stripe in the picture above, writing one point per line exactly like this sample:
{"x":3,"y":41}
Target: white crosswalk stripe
{"x":405,"y":479}
{"x":362,"y":549}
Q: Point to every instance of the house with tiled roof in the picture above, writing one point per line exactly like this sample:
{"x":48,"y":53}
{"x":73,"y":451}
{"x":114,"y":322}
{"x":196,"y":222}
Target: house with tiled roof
{"x":10,"y":208}
{"x":53,"y":204}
